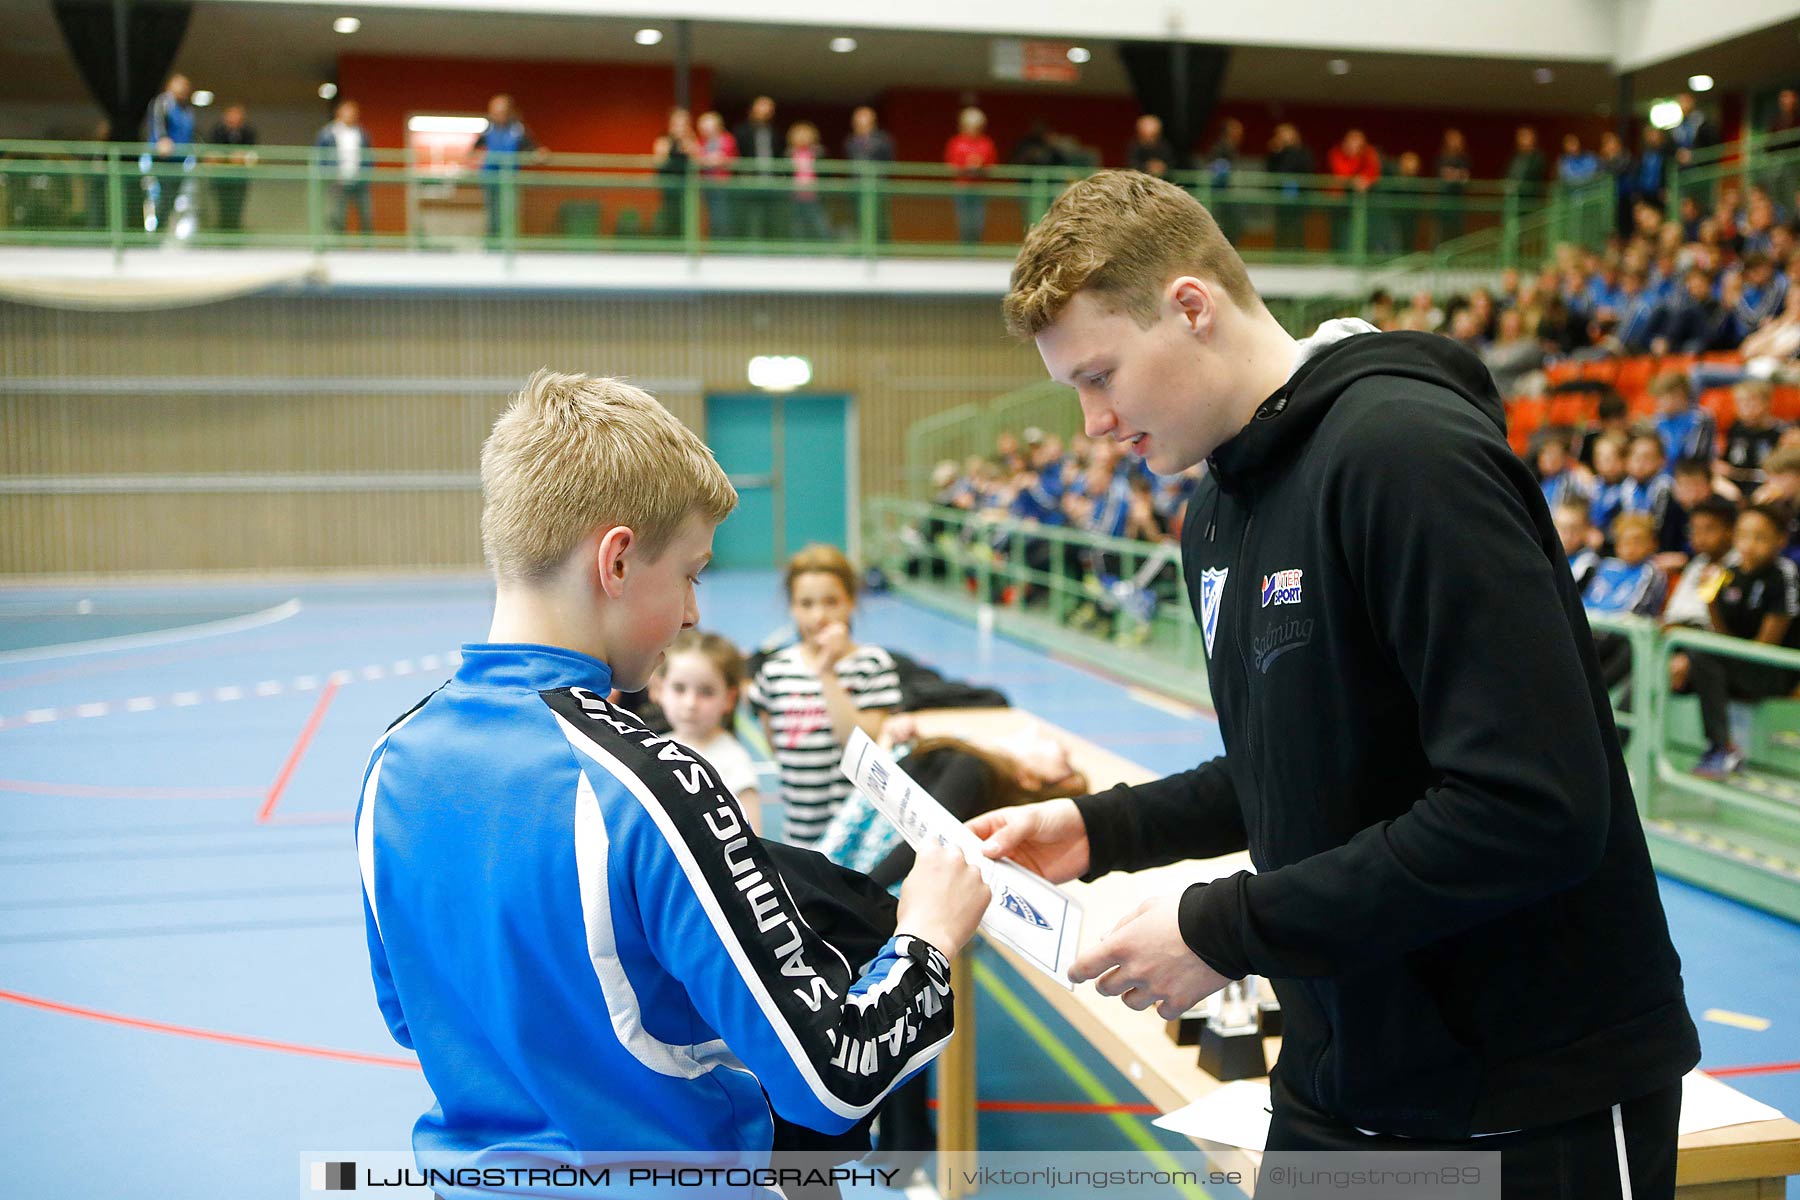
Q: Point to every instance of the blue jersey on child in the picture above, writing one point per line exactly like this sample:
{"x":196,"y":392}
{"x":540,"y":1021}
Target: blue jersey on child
{"x":1619,"y":587}
{"x":570,"y":921}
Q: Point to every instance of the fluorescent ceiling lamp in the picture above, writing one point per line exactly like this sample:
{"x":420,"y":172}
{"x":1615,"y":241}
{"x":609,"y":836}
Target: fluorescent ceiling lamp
{"x":429,"y":123}
{"x":779,"y":373}
{"x":1700,"y":83}
{"x":1665,"y":114}
{"x":327,"y":91}
{"x":843,"y":45}
{"x":202,"y":99}
{"x":1079,"y":54}
{"x":1338,"y":66}
{"x":346,"y":25}
{"x":648,"y":37}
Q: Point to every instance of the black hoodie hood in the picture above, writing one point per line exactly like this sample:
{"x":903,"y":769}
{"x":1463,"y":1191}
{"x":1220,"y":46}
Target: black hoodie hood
{"x":1286,"y":419}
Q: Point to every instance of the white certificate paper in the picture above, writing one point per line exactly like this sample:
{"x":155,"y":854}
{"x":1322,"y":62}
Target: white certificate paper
{"x":1028,"y":913}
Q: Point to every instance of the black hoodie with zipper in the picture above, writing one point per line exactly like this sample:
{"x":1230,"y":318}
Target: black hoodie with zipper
{"x":1453,"y":895}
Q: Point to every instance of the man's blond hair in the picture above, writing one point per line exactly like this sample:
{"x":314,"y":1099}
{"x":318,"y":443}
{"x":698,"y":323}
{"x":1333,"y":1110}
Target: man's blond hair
{"x":1121,"y":235}
{"x":573,"y":454}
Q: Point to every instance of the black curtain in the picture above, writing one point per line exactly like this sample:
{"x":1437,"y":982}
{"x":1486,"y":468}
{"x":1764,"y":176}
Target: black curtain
{"x":1178,"y":82}
{"x":123,"y":83}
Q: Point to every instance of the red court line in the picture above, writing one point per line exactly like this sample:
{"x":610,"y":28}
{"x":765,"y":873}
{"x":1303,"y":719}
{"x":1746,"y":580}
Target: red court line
{"x":1752,"y":1069}
{"x":1062,"y":1106}
{"x":298,"y":752}
{"x":210,"y":1035}
{"x":85,"y":791}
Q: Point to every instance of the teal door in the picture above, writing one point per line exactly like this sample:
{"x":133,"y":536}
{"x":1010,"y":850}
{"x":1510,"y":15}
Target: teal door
{"x":790,"y":458}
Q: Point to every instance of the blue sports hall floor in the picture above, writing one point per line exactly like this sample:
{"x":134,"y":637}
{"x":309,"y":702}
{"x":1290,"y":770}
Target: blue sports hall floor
{"x":183,"y":981}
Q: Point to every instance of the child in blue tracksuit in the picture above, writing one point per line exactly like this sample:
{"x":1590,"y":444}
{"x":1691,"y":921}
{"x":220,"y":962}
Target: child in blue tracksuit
{"x":568,"y":916}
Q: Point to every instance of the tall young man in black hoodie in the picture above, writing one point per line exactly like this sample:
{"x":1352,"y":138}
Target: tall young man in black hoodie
{"x":1453,"y":895}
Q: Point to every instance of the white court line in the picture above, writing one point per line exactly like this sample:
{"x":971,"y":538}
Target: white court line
{"x":162,"y":637}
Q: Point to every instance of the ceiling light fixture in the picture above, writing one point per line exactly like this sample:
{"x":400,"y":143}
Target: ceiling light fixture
{"x":1338,"y":66}
{"x":1079,"y":55}
{"x":346,"y":25}
{"x":202,"y":99}
{"x":843,"y":45}
{"x":1544,"y":75}
{"x":648,"y":37}
{"x":327,"y":91}
{"x":1700,"y":83}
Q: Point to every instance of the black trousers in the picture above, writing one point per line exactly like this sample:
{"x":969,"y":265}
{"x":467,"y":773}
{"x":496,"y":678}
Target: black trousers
{"x":1718,"y":680}
{"x":1574,"y":1160}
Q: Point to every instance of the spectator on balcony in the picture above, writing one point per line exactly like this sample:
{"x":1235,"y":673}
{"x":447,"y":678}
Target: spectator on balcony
{"x":1757,"y":598}
{"x":871,"y":148}
{"x":1394,"y":222}
{"x":716,"y":151}
{"x":675,"y":151}
{"x":504,"y":146}
{"x":1221,"y":161}
{"x":971,"y":153}
{"x":867,"y":142}
{"x":1354,"y":161}
{"x":1695,"y":133}
{"x":1453,"y":172}
{"x":758,"y":211}
{"x":1038,"y":148}
{"x":1526,"y":170}
{"x":169,"y":128}
{"x":1752,"y":437}
{"x":1292,"y":162}
{"x":808,"y":223}
{"x":1650,"y":172}
{"x":1576,"y":167}
{"x":1615,"y":167}
{"x":1149,"y":150}
{"x":239,"y":138}
{"x":344,"y":155}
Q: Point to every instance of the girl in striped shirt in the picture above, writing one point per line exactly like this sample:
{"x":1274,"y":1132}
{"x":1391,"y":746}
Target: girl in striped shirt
{"x":811,"y":696}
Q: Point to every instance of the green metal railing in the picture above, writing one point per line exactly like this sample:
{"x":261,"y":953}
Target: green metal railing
{"x":1048,"y":586}
{"x":1771,"y":160}
{"x":100,"y":194}
{"x":1740,"y":837}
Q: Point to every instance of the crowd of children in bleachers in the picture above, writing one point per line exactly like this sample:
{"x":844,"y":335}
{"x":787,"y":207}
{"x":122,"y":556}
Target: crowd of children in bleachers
{"x":1707,"y":542}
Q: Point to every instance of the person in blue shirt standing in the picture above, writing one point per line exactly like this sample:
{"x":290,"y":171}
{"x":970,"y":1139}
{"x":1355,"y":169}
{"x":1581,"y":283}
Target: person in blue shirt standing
{"x":504,"y":146}
{"x":567,"y":915}
{"x":169,"y":132}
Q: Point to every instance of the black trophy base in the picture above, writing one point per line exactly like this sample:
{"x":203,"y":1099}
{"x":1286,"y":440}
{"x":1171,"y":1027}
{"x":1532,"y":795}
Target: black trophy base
{"x":1185,"y":1031}
{"x":1233,"y":1055}
{"x":1270,"y":1019}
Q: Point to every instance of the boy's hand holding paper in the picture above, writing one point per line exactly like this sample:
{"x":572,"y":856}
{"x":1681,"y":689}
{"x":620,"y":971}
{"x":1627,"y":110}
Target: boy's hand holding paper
{"x":1027,"y":912}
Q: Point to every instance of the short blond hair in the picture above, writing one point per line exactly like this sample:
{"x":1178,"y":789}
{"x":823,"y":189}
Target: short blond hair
{"x":1122,"y":235}
{"x":574,"y":453}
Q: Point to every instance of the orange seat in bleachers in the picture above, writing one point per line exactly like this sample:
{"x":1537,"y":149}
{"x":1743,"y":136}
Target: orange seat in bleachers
{"x":1785,"y":403}
{"x":1562,"y":372}
{"x":1573,"y":408}
{"x":1719,"y":402}
{"x":1523,"y":418}
{"x":1635,"y":375}
{"x":1603,"y":371}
